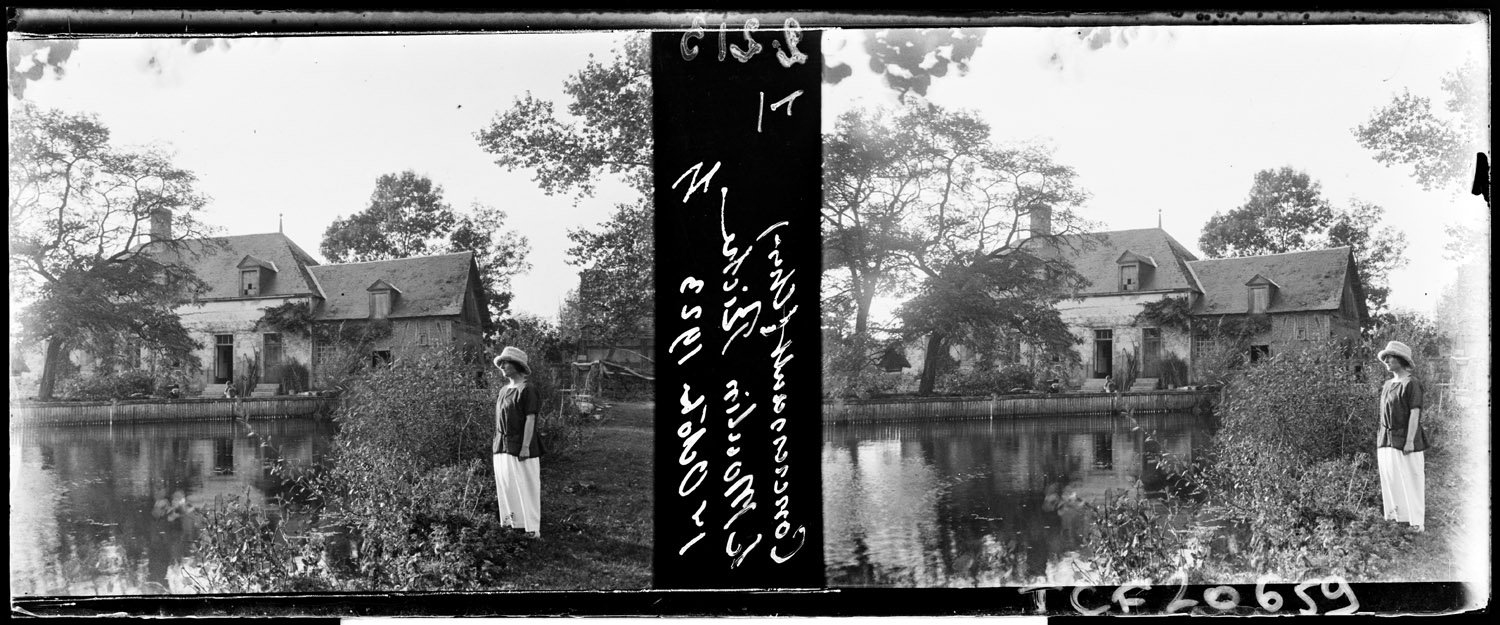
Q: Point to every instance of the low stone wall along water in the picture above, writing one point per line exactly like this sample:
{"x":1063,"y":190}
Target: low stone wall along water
{"x":156,"y":411}
{"x":919,"y":409}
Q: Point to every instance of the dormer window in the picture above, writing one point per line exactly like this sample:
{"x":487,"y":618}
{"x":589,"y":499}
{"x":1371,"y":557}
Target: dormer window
{"x":380,"y":304}
{"x":382,"y":298}
{"x":255,"y":276}
{"x":1130,"y":277}
{"x":1135,"y":271}
{"x":1262,"y":290}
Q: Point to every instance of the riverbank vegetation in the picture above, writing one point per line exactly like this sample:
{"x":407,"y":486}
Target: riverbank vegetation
{"x":1289,"y":486}
{"x":406,"y":499}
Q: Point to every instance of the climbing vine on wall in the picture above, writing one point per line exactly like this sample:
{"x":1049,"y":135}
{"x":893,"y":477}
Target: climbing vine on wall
{"x":290,"y":318}
{"x":297,"y":318}
{"x":1168,"y":312}
{"x":1174,"y":312}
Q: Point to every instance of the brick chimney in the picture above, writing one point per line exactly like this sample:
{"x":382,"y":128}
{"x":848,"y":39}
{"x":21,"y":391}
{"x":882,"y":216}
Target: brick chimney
{"x":161,"y":224}
{"x":1041,"y":220}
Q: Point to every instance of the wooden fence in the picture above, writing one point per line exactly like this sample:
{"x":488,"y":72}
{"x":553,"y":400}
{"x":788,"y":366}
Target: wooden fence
{"x":155,"y":411}
{"x":1009,"y":407}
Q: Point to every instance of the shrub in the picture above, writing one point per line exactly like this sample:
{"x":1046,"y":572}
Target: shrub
{"x":407,"y":502}
{"x":1293,"y":410}
{"x":985,"y":380}
{"x":293,"y":377}
{"x":1134,"y":538}
{"x":1288,"y":482}
{"x":380,"y":527}
{"x":338,"y":367}
{"x":247,"y":373}
{"x":424,"y":405}
{"x":106,"y":386}
{"x":1174,"y":371}
{"x":172,"y":376}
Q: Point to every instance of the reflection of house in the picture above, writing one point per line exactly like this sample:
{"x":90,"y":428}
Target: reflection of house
{"x":1295,"y":298}
{"x":413,"y":302}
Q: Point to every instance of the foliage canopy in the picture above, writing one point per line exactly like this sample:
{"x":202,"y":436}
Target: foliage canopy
{"x":607,"y":130}
{"x":81,"y":245}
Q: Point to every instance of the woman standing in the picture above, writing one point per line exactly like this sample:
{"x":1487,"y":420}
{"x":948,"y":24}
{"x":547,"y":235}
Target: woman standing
{"x":1401,"y":441}
{"x":517,"y":446}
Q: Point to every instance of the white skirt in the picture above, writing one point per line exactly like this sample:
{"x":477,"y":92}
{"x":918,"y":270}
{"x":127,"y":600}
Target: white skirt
{"x":1402,"y":485}
{"x":518,"y":486}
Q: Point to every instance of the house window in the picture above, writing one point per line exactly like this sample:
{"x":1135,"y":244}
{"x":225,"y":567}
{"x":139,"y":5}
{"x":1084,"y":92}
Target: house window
{"x":1205,"y":350}
{"x":1130,"y":277}
{"x":270,"y":352}
{"x":1260,"y":299}
{"x":422,"y":338}
{"x":250,"y":282}
{"x":380,"y":304}
{"x":324,"y":353}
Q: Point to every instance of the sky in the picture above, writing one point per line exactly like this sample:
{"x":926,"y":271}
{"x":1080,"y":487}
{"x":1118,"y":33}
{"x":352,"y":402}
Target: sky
{"x":292,"y":133}
{"x":1180,"y":118}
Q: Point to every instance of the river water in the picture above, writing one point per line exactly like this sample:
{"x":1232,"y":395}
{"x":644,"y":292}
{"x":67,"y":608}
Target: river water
{"x":981,"y":503}
{"x":101,"y":510}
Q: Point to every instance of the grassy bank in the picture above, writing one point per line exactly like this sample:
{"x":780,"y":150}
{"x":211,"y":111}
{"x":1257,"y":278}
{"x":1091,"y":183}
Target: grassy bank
{"x":596,"y":511}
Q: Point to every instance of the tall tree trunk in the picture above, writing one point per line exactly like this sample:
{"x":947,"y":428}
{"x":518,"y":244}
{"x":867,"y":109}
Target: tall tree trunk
{"x":862,"y":312}
{"x":935,"y":344}
{"x":49,"y":368}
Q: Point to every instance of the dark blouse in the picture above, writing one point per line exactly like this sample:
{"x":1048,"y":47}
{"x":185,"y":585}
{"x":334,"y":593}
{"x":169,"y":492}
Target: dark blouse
{"x":1397,"y":399}
{"x":511,"y":408}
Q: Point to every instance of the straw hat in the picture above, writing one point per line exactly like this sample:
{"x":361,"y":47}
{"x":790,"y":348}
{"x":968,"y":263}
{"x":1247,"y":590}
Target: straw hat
{"x":514,"y":355}
{"x":1396,"y":348}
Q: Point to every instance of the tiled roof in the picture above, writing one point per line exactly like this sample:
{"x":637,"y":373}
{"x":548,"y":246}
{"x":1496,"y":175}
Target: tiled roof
{"x":427,"y":285}
{"x":1304,"y":281}
{"x":1096,"y":256}
{"x":216,"y":261}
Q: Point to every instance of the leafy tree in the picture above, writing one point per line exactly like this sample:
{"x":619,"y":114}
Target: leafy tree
{"x":1439,"y":147}
{"x":407,"y":217}
{"x":871,"y":177}
{"x":607,"y":130}
{"x":81,"y":250}
{"x":921,"y":200}
{"x":983,"y":273}
{"x":1286,"y":212}
{"x":910,"y":58}
{"x":616,"y":286}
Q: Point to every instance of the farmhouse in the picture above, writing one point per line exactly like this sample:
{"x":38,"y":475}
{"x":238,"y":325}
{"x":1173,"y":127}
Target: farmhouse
{"x":1275,"y":303}
{"x":1296,"y":298}
{"x":391,"y":306}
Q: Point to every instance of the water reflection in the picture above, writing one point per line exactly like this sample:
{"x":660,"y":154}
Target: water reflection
{"x":100,"y":510}
{"x":979,"y":503}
